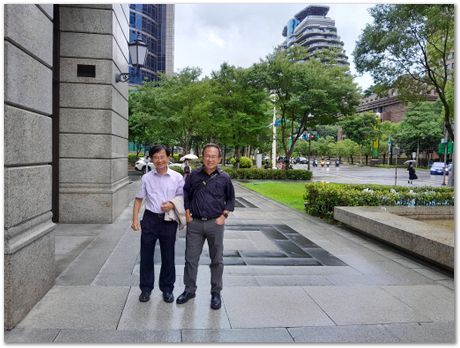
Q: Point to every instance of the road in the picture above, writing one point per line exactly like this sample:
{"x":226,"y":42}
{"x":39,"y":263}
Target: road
{"x":371,"y":175}
{"x":354,"y":174}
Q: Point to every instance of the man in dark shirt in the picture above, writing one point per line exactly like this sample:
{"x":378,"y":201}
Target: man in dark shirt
{"x":209,"y":196}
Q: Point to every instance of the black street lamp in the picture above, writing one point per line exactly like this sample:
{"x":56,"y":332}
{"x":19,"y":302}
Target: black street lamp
{"x":137,"y":54}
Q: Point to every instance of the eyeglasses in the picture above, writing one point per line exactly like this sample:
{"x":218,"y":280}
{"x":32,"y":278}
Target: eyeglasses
{"x":211,"y":157}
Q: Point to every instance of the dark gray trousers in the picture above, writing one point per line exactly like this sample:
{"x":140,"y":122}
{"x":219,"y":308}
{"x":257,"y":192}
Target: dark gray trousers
{"x":197,"y":232}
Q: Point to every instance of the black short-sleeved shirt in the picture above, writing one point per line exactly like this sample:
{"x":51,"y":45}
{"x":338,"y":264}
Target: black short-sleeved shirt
{"x":207,"y":196}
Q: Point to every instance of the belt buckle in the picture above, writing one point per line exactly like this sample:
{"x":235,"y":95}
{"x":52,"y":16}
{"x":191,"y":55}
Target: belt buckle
{"x":204,"y":219}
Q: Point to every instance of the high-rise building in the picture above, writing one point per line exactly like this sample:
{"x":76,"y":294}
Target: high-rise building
{"x":155,"y":25}
{"x":311,"y":29}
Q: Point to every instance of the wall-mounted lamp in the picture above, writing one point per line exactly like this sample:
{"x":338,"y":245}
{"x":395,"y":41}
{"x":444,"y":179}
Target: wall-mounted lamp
{"x":137,"y":53}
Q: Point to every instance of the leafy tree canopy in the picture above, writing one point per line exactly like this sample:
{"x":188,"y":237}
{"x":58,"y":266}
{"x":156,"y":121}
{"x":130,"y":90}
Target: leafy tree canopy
{"x":407,"y":47}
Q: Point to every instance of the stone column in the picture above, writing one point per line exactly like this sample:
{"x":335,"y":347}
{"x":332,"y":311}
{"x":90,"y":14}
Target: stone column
{"x":28,"y":238}
{"x":93,"y":149}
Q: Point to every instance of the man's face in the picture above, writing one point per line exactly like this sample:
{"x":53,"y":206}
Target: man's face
{"x":160,"y":160}
{"x":211,"y":158}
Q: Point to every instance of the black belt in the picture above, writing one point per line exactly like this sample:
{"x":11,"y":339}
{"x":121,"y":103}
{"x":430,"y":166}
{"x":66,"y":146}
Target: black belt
{"x":204,"y":218}
{"x":157,"y":215}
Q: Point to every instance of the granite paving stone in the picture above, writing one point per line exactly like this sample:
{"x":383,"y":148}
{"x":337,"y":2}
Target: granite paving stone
{"x":355,"y":305}
{"x":343,"y":334}
{"x":159,"y":315}
{"x":78,"y":307}
{"x":27,"y":335}
{"x":264,"y":335}
{"x":118,"y":336}
{"x":249,"y":307}
{"x":435,"y":301}
{"x":292,"y":280}
{"x":439,"y":332}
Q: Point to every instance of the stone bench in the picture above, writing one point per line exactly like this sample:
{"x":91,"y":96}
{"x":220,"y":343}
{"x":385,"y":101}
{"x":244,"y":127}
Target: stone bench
{"x":393,"y":225}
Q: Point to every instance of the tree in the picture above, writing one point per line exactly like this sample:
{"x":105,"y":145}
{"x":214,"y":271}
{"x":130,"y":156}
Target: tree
{"x":175,"y":109}
{"x":421,"y":129}
{"x":347,"y":148}
{"x":407,"y":47}
{"x":308,"y":92}
{"x":362,"y":129}
{"x":239,"y":109}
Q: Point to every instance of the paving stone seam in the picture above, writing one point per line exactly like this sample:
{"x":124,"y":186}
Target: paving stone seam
{"x":319,"y":306}
{"x":123,"y":309}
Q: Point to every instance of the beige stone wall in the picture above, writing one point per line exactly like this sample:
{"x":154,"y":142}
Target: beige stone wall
{"x":28,"y":117}
{"x":93,"y":175}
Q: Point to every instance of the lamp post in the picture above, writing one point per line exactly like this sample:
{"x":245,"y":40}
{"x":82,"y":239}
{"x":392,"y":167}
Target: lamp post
{"x":137,"y":53}
{"x":274,"y":98}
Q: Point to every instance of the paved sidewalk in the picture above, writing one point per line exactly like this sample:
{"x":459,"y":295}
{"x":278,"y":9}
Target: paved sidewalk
{"x":288,"y":278}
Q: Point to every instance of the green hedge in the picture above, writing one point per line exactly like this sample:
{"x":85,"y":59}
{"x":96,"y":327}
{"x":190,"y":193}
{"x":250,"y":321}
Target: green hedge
{"x":321,"y":198}
{"x":132,"y":158}
{"x":177,"y":169}
{"x":268,"y":174}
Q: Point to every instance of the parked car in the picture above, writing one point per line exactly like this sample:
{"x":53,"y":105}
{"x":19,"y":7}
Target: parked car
{"x":437,"y":168}
{"x":141,"y":163}
{"x":302,"y":160}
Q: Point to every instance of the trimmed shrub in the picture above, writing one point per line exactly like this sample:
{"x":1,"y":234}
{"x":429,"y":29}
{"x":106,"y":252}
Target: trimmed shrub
{"x":245,"y":162}
{"x":132,"y":158}
{"x":176,"y":157}
{"x":177,"y":169}
{"x":321,"y":198}
{"x":267,"y":174}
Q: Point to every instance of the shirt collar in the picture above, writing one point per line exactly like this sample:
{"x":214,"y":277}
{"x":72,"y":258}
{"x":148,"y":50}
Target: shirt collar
{"x":218,"y":170}
{"x":168,"y":172}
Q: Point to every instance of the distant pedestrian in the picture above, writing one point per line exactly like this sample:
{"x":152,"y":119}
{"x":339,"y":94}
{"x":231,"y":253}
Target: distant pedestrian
{"x":209,"y":197}
{"x":412,"y":175}
{"x":186,"y":168}
{"x":162,"y":189}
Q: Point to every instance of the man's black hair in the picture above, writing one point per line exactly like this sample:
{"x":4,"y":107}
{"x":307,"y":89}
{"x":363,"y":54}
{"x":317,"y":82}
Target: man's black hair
{"x":212,"y":145}
{"x":157,"y":148}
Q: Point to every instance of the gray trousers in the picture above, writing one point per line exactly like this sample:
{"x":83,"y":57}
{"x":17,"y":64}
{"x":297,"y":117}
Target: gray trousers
{"x":197,"y":232}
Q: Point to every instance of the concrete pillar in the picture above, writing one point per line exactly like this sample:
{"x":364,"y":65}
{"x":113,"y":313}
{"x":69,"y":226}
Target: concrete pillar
{"x":28,"y":238}
{"x":93,"y":141}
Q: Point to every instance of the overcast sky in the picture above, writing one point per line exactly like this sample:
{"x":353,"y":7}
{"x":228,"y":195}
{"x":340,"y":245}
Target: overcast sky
{"x":206,"y":35}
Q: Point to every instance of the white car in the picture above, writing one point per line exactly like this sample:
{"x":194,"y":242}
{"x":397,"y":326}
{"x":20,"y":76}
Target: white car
{"x":141,"y":164}
{"x":143,"y":161}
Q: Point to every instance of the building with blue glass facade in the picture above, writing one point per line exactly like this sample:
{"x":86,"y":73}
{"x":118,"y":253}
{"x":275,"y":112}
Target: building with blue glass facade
{"x":155,"y":25}
{"x":311,"y":29}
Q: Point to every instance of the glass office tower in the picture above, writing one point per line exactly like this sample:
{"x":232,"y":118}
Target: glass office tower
{"x":155,"y":25}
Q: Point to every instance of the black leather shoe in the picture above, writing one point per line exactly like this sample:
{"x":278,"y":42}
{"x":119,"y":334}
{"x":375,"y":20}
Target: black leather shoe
{"x":215,"y":300}
{"x":184,"y":297}
{"x":144,"y":296}
{"x":168,"y":297}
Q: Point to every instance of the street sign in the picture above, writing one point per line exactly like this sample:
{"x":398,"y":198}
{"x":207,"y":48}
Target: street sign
{"x":442,"y":146}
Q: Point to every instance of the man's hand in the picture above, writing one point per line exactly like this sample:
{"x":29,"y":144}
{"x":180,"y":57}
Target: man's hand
{"x":188,"y":216}
{"x":167,"y":206}
{"x":220,"y":220}
{"x":135,"y":226}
